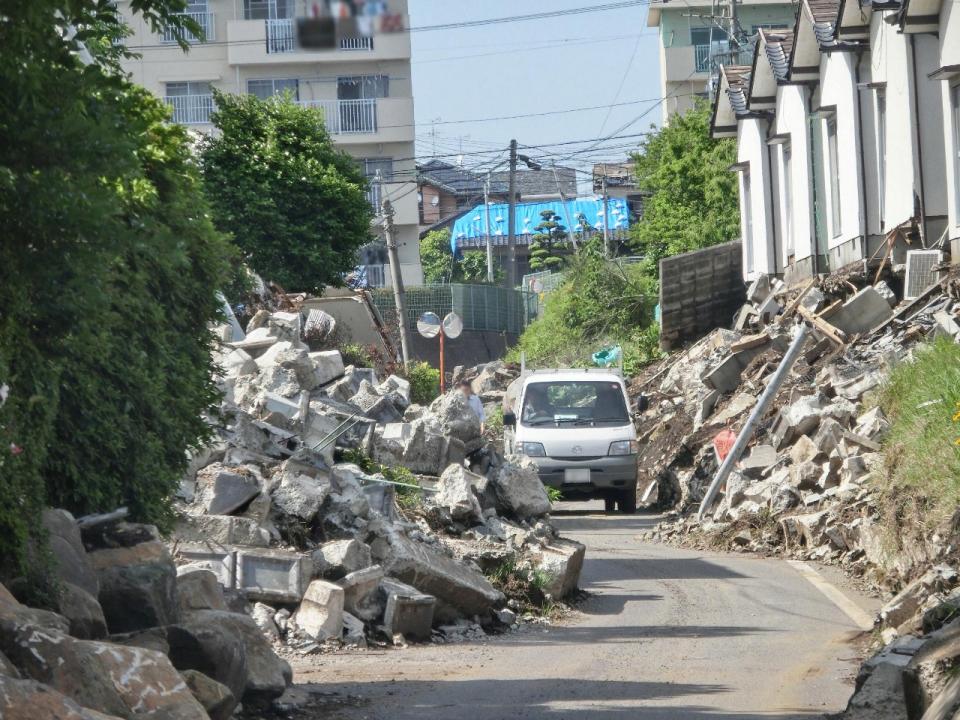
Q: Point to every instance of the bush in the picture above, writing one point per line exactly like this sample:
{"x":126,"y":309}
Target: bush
{"x":424,"y":382}
{"x":921,"y":474}
{"x":356,"y":354}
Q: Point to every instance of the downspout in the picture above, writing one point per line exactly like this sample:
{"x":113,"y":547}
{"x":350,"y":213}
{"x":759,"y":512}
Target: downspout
{"x":773,"y":215}
{"x":916,"y":116}
{"x":863,"y":166}
{"x":813,"y":187}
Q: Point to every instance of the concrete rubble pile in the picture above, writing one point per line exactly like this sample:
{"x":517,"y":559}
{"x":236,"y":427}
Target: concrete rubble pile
{"x":124,"y":635}
{"x":322,"y":554}
{"x":801,"y":488}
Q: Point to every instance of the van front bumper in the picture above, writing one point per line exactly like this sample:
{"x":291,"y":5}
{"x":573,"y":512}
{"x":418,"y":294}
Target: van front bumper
{"x":612,"y":472}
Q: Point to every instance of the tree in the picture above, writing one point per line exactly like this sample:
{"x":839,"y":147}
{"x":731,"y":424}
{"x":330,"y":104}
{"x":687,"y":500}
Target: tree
{"x":109,"y":267}
{"x":295,"y":205}
{"x":550,"y":236}
{"x":693,"y":198}
{"x":439,"y":266}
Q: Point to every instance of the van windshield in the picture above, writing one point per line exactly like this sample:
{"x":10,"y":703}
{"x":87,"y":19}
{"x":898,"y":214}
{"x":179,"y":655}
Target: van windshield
{"x":574,"y":404}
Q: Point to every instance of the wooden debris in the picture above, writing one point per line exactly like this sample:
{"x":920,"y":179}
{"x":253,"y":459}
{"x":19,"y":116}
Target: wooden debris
{"x":825,"y":328}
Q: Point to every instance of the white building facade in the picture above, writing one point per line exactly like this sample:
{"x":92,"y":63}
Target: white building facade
{"x":364,"y":87}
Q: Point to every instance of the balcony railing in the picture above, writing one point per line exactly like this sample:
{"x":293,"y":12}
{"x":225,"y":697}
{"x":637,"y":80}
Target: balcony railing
{"x":281,"y":36}
{"x":347,"y":117}
{"x":701,"y":55}
{"x":191,"y":109}
{"x":374,"y":196}
{"x":356,"y":43}
{"x":203,"y":19}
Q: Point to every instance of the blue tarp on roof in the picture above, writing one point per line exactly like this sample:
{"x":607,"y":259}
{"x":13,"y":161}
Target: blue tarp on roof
{"x":473,"y":225}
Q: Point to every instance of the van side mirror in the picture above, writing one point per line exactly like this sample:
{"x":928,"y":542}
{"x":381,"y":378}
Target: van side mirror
{"x":509,"y":419}
{"x":642,"y":404}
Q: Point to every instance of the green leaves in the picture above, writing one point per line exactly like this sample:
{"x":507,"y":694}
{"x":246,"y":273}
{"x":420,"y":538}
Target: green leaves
{"x":295,"y":205}
{"x":439,"y":266}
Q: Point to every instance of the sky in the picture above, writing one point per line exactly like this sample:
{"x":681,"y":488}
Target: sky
{"x":587,"y":60}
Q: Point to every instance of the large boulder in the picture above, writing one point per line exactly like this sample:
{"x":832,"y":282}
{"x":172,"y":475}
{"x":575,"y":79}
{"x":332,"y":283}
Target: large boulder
{"x":455,"y":493}
{"x":301,"y":490}
{"x":223,"y":490}
{"x":519,"y":489}
{"x":416,"y":445}
{"x":376,"y":406}
{"x":115,"y":679}
{"x":138,"y":586}
{"x":83,"y":612}
{"x":210,"y":648}
{"x":456,"y":419}
{"x":30,"y":700}
{"x":199,"y":589}
{"x":215,"y":698}
{"x":334,"y":560}
{"x":561,"y":561}
{"x":460,"y":590}
{"x":267,"y":675}
{"x":70,"y":557}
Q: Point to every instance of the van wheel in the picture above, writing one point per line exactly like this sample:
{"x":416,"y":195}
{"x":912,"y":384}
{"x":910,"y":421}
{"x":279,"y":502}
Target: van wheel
{"x":627,"y":501}
{"x":609,"y":504}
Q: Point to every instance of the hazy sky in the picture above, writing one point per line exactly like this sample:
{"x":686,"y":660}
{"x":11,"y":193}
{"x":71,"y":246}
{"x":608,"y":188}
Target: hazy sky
{"x":517,"y":68}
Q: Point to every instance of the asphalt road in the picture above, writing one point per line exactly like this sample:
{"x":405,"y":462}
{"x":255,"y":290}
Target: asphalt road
{"x":667,"y":634}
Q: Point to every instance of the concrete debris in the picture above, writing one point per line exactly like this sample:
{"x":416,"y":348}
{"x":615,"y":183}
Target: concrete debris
{"x":320,"y":614}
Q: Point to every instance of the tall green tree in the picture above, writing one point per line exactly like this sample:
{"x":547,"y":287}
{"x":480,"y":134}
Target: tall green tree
{"x":295,"y":205}
{"x":439,"y":266}
{"x":693,"y":198}
{"x":109,"y":266}
{"x":549,"y":238}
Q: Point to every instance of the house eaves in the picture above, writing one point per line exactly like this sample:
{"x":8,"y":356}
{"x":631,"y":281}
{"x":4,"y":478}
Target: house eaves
{"x":918,"y":16}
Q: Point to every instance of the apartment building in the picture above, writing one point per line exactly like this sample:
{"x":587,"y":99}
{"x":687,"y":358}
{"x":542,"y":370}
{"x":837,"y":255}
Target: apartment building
{"x":363,"y":86}
{"x":696,"y":36}
{"x":848,"y":129}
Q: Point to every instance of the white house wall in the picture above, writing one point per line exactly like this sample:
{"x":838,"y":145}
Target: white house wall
{"x":838,"y":88}
{"x":791,"y":119}
{"x":868,"y":146}
{"x":933,"y":155}
{"x":759,"y":257}
{"x":950,"y":56}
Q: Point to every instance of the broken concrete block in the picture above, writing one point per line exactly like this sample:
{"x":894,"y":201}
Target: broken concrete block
{"x":222,"y":490}
{"x":239,"y":363}
{"x":398,"y":390}
{"x":409,"y":612}
{"x":873,"y":425}
{"x":562,"y":561}
{"x":462,"y":590}
{"x":281,"y":409}
{"x":457,"y":420}
{"x":861,"y":313}
{"x":279,"y":381}
{"x":886,"y":293}
{"x":327,"y":367}
{"x":301,"y":490}
{"x":804,"y":529}
{"x":725,"y":377}
{"x":519,"y":489}
{"x":354,"y":631}
{"x":320,"y":614}
{"x":760,"y":458}
{"x":334,"y":560}
{"x":220,"y":560}
{"x":800,"y":418}
{"x":359,"y":592}
{"x":374,"y":405}
{"x":759,"y":289}
{"x":273,"y":575}
{"x":853,"y":470}
{"x":828,"y":436}
{"x":455,"y":493}
{"x":223,"y":530}
{"x":804,"y":450}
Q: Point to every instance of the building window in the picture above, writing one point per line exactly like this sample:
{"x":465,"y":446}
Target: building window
{"x":363,"y":87}
{"x":267,"y":9}
{"x":833,"y":176}
{"x":786,"y":161}
{"x":747,"y":220}
{"x":371,"y":166}
{"x":955,"y":114}
{"x":881,"y":98}
{"x":268,"y":88}
{"x":197,"y":11}
{"x":192,"y":102}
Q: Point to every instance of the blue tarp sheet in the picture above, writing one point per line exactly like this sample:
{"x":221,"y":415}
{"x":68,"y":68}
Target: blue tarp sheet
{"x":473,"y":225}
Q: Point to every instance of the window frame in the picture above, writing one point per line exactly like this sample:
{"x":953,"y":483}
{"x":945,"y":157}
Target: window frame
{"x":274,"y":89}
{"x":786,"y":165}
{"x":832,"y":148}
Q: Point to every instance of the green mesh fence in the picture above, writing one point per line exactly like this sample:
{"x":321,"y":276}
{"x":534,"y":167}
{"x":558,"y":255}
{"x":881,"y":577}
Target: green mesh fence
{"x":482,"y":307}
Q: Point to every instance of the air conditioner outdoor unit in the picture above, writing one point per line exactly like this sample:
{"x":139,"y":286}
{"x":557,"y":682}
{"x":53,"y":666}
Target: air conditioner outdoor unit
{"x":920,"y":272}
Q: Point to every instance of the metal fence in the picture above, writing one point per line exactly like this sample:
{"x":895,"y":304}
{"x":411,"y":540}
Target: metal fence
{"x":482,"y":307}
{"x":203,"y":19}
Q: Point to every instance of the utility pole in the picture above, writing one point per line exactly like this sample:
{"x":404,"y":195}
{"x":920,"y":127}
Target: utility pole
{"x":511,"y":274}
{"x":397,"y":280}
{"x":606,"y":212}
{"x":486,"y":205}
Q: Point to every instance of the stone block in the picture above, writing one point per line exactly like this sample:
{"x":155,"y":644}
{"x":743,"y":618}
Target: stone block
{"x":199,"y":589}
{"x":861,"y":313}
{"x":409,"y":612}
{"x":334,"y":560}
{"x":220,"y":560}
{"x":455,"y":493}
{"x":138,"y":586}
{"x":321,"y":611}
{"x":216,"y":698}
{"x":301,"y":491}
{"x":519,"y":489}
{"x":562,"y":561}
{"x":761,"y":458}
{"x":273,"y":575}
{"x":223,"y":530}
{"x":222,"y":490}
{"x":360,"y":592}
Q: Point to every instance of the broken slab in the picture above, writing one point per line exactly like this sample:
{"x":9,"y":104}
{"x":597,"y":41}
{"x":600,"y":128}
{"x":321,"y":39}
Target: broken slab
{"x":562,"y":561}
{"x":321,"y":612}
{"x":862,"y":313}
{"x":220,"y":560}
{"x":222,"y":490}
{"x":409,"y":612}
{"x":301,"y":490}
{"x":359,"y":592}
{"x":335,"y":559}
{"x":273,"y":575}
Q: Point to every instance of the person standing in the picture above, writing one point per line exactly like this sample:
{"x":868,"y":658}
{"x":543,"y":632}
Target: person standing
{"x":473,"y":401}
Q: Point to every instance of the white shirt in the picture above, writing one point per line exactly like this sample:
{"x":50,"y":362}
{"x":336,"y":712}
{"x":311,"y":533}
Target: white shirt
{"x":474,"y":402}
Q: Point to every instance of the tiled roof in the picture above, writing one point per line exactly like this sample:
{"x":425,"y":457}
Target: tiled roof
{"x":540,"y":182}
{"x":826,"y":16}
{"x":738,"y":84}
{"x":779,"y":44}
{"x":456,"y":180}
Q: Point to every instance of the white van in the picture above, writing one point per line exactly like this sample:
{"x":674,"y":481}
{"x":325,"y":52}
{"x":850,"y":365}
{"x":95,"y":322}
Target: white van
{"x":577,"y":426}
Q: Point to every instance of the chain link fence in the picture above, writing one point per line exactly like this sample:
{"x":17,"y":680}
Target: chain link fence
{"x":482,"y":307}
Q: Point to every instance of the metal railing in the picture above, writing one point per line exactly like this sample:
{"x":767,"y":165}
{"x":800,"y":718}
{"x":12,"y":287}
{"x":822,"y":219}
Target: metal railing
{"x":356,"y":43}
{"x":203,"y":19}
{"x":701,"y":58}
{"x":347,"y":117}
{"x":374,"y":196}
{"x":281,"y":35}
{"x":191,"y":109}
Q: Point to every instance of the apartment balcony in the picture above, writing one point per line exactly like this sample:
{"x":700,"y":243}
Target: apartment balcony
{"x":686,"y":63}
{"x":347,"y":117}
{"x":204,"y":19}
{"x":191,"y":109}
{"x":382,"y":120}
{"x":701,"y":58}
{"x":274,"y":42}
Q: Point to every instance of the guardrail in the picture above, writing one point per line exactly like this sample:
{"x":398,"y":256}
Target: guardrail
{"x":203,"y":19}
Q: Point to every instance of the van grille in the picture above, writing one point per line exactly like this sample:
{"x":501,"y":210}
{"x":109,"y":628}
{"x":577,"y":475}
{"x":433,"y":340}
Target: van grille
{"x":576,"y":458}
